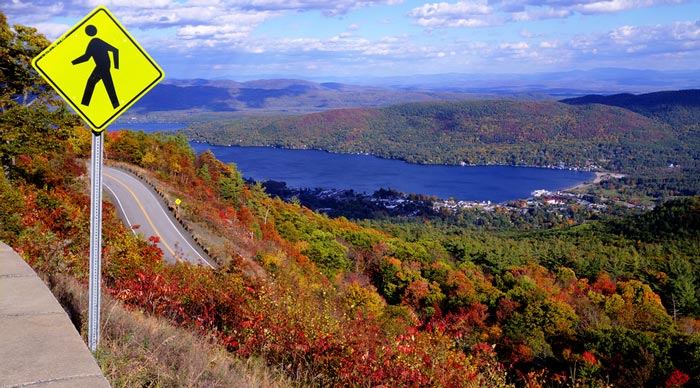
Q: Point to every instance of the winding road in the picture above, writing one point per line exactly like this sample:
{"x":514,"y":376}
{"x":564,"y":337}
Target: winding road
{"x":145,"y":213}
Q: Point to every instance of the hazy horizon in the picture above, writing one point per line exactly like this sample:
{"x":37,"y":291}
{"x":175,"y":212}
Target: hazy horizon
{"x":315,"y":40}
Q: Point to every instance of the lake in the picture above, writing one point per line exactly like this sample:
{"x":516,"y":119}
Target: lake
{"x":367,"y":174}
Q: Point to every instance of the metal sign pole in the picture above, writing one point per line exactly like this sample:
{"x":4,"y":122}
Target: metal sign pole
{"x":95,"y":242}
{"x":142,"y":74}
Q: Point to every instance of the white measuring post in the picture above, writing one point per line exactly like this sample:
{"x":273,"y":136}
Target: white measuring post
{"x":95,"y":242}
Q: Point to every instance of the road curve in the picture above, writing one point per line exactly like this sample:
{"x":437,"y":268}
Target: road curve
{"x":145,"y":213}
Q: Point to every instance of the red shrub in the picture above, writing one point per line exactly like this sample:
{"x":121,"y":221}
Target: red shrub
{"x":677,"y":379}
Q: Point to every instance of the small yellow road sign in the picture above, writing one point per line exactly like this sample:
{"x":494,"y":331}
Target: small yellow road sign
{"x":98,"y":68}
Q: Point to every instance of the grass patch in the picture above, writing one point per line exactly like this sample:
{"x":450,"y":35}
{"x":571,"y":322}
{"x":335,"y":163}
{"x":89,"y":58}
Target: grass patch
{"x":137,"y":350}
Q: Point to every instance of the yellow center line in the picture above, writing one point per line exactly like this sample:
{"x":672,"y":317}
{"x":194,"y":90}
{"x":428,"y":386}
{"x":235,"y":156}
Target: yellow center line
{"x":150,"y":222}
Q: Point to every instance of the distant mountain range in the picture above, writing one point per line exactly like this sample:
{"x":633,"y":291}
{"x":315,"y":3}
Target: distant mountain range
{"x":301,"y":96}
{"x":557,"y":84}
{"x":284,"y":96}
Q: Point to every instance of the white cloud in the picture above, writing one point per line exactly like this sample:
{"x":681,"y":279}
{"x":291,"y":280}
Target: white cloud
{"x":514,"y":46}
{"x":479,"y":13}
{"x":454,"y":10}
{"x":52,"y":30}
{"x":541,"y":13}
{"x":329,"y":8}
{"x":129,"y":3}
{"x":31,"y":12}
{"x":473,"y":13}
{"x":671,"y":45}
{"x":611,"y":6}
{"x":625,"y":35}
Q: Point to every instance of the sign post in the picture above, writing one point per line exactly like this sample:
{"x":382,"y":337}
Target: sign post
{"x":100,"y":71}
{"x":95,"y":243}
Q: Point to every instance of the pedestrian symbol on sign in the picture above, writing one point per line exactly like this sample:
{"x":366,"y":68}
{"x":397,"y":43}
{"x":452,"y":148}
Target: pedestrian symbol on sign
{"x":99,"y":51}
{"x":98,"y":68}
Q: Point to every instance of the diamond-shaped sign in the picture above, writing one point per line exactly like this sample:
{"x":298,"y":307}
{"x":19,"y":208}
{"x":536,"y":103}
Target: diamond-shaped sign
{"x":98,"y":68}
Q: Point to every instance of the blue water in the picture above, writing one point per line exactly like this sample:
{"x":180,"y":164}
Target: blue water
{"x":365,"y":173}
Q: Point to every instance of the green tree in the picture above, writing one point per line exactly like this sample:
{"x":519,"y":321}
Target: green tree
{"x":34,"y":123}
{"x":327,"y":253}
{"x":231,"y":185}
{"x":20,"y":84}
{"x":683,"y":281}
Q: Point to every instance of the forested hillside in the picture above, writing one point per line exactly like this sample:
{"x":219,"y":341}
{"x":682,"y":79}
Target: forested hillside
{"x":680,"y":110}
{"x":677,"y":108}
{"x":471,"y":132}
{"x":332,"y":303}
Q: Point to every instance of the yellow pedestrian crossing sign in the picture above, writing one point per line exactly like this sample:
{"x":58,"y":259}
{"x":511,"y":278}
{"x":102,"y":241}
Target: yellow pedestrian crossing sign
{"x":98,"y":68}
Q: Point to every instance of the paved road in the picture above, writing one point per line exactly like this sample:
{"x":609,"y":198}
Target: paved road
{"x":144,"y":211}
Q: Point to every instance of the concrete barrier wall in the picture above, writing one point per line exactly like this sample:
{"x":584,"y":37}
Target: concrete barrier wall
{"x":39,"y":346}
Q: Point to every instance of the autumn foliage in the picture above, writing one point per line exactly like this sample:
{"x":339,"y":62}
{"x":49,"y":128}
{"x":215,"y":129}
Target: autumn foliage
{"x":333,"y":303}
{"x":336,"y":304}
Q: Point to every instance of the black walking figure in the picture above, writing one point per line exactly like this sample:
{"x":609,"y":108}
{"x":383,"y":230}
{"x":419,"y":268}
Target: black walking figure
{"x":99,"y":50}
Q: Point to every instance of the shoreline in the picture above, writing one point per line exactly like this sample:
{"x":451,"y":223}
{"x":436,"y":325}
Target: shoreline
{"x":599,"y":177}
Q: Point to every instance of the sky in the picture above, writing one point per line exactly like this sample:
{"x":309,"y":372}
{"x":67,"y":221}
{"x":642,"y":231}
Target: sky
{"x":326,"y":39}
